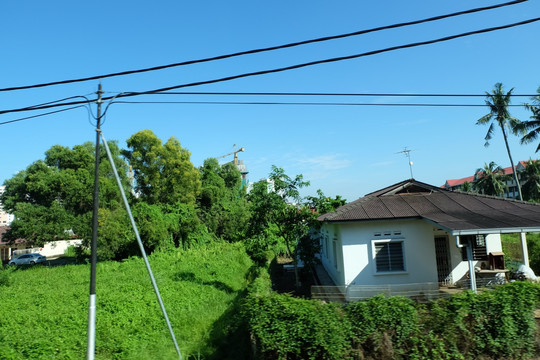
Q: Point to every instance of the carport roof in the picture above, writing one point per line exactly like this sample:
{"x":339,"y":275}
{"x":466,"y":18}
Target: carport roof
{"x":457,"y":212}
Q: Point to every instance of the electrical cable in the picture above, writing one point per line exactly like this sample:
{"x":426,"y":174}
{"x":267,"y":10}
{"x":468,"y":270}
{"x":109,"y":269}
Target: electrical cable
{"x":341,"y":58}
{"x":327,"y":94}
{"x":254,"y":51}
{"x":39,"y":115}
{"x":291,"y":67}
{"x":302,"y":103}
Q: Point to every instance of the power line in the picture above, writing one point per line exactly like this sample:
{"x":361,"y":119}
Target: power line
{"x":271,"y":48}
{"x":39,"y":115}
{"x":264,"y":103}
{"x":341,"y":58}
{"x":282,"y":69}
{"x":328,"y":94}
{"x":302,"y":103}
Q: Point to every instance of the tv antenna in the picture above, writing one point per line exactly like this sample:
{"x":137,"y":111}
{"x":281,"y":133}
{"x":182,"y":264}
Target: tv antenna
{"x":407,"y":153}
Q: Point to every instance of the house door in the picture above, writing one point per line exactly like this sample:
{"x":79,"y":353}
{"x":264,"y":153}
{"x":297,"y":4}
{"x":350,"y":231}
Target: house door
{"x":443,"y":258}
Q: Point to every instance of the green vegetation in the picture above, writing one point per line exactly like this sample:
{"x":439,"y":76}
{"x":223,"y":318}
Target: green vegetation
{"x":44,"y":309}
{"x":496,"y":324}
{"x":511,"y":244}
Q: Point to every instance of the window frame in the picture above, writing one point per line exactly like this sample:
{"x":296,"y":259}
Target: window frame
{"x":392,"y":240}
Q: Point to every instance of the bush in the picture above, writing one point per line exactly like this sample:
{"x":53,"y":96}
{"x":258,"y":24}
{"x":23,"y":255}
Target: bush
{"x":291,"y":328}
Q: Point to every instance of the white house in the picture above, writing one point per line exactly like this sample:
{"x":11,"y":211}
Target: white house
{"x":415,"y":237}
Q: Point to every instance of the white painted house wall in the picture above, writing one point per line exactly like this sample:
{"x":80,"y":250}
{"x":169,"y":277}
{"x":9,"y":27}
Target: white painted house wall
{"x":354,"y":260}
{"x":357,"y":265}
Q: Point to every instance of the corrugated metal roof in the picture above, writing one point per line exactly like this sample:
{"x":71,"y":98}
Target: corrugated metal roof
{"x":455,"y":211}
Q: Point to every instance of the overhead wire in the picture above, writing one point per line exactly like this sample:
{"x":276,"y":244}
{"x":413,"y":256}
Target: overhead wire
{"x":291,"y":67}
{"x":40,"y":115}
{"x":302,"y":103}
{"x":271,"y":48}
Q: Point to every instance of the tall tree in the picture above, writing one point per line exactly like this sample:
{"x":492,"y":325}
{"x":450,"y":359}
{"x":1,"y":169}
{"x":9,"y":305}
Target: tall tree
{"x":163,"y":173}
{"x":532,"y":126}
{"x":54,"y":195}
{"x":222,"y":201}
{"x":498,"y":102}
{"x":531,"y":176}
{"x":491,"y":180}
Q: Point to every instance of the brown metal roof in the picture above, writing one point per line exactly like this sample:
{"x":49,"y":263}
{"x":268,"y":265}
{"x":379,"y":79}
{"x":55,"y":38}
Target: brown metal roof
{"x":457,"y":212}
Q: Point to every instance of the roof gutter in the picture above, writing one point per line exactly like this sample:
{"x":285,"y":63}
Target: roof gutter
{"x":494,"y":231}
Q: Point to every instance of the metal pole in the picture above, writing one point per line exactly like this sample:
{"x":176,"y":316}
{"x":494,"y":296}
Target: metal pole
{"x":90,"y":351}
{"x":472,"y":274}
{"x":141,"y":246}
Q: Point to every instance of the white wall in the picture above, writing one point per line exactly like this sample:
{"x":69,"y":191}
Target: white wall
{"x":358,"y":265}
{"x":57,"y":248}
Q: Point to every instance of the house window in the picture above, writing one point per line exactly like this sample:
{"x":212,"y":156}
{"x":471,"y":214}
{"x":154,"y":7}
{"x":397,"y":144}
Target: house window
{"x":389,"y":255}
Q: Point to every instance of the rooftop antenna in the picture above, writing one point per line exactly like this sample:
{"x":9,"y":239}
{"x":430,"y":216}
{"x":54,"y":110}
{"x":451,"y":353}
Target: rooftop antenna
{"x":407,"y":153}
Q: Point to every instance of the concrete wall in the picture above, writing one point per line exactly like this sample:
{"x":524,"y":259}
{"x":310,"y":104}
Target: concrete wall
{"x":357,"y":265}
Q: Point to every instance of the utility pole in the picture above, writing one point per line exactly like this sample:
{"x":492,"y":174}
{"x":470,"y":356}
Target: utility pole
{"x":92,"y":298}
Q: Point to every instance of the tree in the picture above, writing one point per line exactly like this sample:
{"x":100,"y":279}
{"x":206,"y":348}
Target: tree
{"x":54,"y":195}
{"x":163,"y":173}
{"x":222,"y":201}
{"x":532,"y":127}
{"x":531,"y":176}
{"x":467,"y":187}
{"x":491,"y":180}
{"x":323,"y":204}
{"x":498,"y":102}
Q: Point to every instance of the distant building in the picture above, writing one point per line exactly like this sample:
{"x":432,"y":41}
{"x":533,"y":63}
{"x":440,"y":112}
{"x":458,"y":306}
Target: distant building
{"x":511,"y":188}
{"x":5,"y":218}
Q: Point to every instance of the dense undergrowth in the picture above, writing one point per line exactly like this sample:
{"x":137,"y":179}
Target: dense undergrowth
{"x":44,"y":310}
{"x":496,"y":324}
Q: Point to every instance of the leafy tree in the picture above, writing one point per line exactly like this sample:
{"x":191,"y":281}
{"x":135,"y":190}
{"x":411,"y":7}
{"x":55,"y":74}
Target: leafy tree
{"x":277,"y":205}
{"x":498,"y":102}
{"x":54,"y":195}
{"x":531,"y":176}
{"x":222,"y":202}
{"x":163,"y":173}
{"x":323,"y":204}
{"x":532,"y":127}
{"x":491,"y":180}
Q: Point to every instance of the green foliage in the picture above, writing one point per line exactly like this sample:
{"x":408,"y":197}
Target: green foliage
{"x":223,"y":205}
{"x":496,"y":324}
{"x":390,"y":321}
{"x":55,"y":194}
{"x":292,"y":328}
{"x":163,"y":173}
{"x":44,"y":309}
{"x":324,"y":204}
{"x":491,"y":180}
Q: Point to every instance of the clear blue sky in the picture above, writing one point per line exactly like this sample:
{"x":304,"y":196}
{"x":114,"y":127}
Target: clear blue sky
{"x":343,"y":150}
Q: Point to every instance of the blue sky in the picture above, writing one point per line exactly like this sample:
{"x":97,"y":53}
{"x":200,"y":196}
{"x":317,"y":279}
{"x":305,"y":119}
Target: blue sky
{"x":342,"y":150}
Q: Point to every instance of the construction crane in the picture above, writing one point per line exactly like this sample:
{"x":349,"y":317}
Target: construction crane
{"x":235,"y":152}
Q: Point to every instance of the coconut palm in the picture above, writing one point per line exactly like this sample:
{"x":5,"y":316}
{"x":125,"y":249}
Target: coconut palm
{"x":531,"y":175}
{"x":498,"y":102}
{"x":467,"y":186}
{"x":491,"y":180}
{"x":532,"y":127}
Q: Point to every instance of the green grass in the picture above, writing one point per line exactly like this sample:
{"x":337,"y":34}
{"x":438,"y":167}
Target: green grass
{"x":44,"y":310}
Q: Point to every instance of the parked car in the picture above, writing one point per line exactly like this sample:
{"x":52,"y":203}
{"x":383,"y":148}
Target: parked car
{"x":28,"y":259}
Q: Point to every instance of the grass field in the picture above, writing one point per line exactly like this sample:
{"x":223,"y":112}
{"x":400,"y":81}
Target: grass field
{"x":44,"y":310}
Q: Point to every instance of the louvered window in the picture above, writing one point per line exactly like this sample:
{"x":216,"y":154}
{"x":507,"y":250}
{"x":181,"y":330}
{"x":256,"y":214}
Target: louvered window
{"x":389,"y":256}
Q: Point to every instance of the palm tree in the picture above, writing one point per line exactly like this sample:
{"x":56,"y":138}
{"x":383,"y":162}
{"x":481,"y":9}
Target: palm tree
{"x":498,"y":103}
{"x":531,"y":175}
{"x":532,"y":127}
{"x":467,"y":187}
{"x":491,"y":180}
